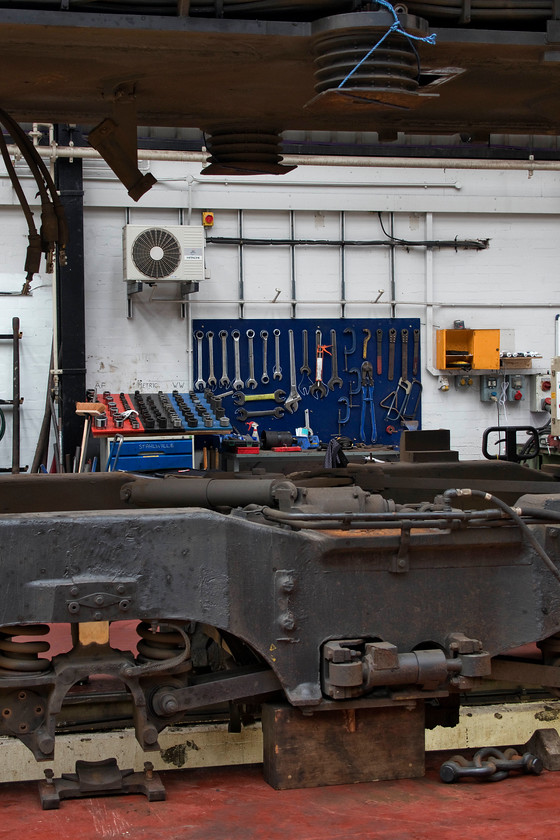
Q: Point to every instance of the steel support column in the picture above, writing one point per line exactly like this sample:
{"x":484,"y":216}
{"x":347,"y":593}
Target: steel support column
{"x":70,"y":297}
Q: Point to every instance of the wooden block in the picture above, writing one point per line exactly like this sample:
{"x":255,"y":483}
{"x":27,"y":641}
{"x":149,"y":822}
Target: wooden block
{"x":341,"y":746}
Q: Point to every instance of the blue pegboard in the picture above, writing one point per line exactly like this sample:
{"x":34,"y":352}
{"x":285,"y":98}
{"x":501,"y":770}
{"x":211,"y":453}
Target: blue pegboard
{"x":325,"y":413}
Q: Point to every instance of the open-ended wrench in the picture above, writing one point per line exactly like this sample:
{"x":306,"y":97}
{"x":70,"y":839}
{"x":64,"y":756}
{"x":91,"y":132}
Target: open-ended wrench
{"x":265,"y":379}
{"x":305,"y":369}
{"x":335,"y":378}
{"x":211,"y":381}
{"x":200,"y":383}
{"x":242,"y":413}
{"x":241,"y":399}
{"x":224,"y":381}
{"x":237,"y":382}
{"x":251,"y":382}
{"x":277,"y":372}
{"x":319,"y":388}
{"x":293,"y":399}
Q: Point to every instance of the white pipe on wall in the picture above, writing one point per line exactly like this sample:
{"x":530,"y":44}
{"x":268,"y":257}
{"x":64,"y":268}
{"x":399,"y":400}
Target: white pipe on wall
{"x":529,"y":165}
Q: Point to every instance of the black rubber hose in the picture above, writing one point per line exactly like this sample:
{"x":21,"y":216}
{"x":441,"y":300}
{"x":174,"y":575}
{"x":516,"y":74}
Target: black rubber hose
{"x":515,"y":515}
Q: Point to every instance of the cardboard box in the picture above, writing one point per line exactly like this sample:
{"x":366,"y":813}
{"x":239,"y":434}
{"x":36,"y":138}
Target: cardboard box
{"x":516,"y":363}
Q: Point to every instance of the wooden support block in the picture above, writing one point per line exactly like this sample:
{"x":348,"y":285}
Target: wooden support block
{"x":341,"y":746}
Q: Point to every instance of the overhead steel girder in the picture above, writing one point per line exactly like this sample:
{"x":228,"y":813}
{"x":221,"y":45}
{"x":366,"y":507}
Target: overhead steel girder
{"x":283,"y":592}
{"x":215,"y":73}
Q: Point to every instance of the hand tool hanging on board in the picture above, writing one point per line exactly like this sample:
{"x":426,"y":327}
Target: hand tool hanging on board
{"x":335,"y":378}
{"x":293,"y":398}
{"x":349,"y":351}
{"x":415,"y":353}
{"x":242,"y":413}
{"x":318,"y":389}
{"x":241,"y":399}
{"x":265,"y":379}
{"x":224,"y":380}
{"x":354,"y":391}
{"x":343,"y":420}
{"x":251,"y":382}
{"x":367,"y":334}
{"x":379,"y":335}
{"x":367,"y":401}
{"x":392,"y":344}
{"x":305,"y":370}
{"x":237,"y":382}
{"x":277,"y":371}
{"x":200,"y":384}
{"x":211,"y":382}
{"x":402,"y":391}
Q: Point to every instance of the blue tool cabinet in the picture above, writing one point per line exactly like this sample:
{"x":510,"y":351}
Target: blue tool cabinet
{"x":394,"y":404}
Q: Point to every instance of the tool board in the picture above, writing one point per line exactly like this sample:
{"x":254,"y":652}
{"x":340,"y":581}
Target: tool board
{"x":346,"y":409}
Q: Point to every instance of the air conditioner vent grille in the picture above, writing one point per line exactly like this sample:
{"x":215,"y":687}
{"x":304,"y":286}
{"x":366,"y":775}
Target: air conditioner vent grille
{"x":156,"y":253}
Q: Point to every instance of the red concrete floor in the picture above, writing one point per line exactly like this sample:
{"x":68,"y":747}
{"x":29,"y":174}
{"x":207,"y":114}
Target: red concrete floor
{"x":236,"y":804}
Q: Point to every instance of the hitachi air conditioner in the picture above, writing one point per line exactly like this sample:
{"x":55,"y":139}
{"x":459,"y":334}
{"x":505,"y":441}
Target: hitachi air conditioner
{"x":159,"y":254}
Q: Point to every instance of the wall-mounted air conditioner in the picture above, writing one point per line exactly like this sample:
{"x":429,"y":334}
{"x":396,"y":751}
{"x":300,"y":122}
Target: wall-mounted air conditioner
{"x":159,"y":254}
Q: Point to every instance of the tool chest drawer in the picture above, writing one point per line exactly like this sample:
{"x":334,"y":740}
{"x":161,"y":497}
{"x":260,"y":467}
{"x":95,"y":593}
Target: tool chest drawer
{"x":147,"y":454}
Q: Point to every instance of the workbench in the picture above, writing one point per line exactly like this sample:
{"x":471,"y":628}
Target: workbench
{"x":307,"y":459}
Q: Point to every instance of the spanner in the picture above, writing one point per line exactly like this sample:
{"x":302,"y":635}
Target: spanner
{"x":212,"y":381}
{"x":251,"y":382}
{"x":319,"y":386}
{"x":200,"y":383}
{"x":241,"y":399}
{"x":293,"y":398}
{"x":242,"y":413}
{"x":224,"y":381}
{"x":237,"y":382}
{"x":265,"y":379}
{"x":305,"y":348}
{"x":335,"y":378}
{"x":348,"y":351}
{"x":277,"y":373}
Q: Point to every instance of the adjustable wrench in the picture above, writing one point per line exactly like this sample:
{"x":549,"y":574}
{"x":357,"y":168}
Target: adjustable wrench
{"x":335,"y":378}
{"x":200,"y":383}
{"x":277,"y":373}
{"x":251,"y":382}
{"x":242,"y":413}
{"x":293,"y":398}
{"x":237,"y":382}
{"x":240,"y":399}
{"x":212,"y":381}
{"x":265,"y":379}
{"x":224,"y":381}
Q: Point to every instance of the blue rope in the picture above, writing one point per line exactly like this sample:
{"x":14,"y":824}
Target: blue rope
{"x":395,"y":27}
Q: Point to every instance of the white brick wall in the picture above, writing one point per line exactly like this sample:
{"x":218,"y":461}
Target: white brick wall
{"x":517,"y":275}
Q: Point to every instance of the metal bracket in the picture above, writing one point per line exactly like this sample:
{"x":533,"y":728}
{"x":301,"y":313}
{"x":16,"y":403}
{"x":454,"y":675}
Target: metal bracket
{"x":400,"y":562}
{"x":117,"y":142}
{"x":97,"y":778}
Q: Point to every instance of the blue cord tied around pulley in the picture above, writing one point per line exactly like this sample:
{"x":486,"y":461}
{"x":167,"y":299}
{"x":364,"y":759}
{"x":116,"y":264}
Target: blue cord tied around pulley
{"x":395,"y":27}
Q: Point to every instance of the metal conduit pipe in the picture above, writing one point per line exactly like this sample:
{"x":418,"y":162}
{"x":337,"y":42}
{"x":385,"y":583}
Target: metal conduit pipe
{"x":312,"y":160}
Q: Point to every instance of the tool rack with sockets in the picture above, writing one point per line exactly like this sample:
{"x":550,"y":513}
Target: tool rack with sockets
{"x":359,"y":378}
{"x":158,"y":428}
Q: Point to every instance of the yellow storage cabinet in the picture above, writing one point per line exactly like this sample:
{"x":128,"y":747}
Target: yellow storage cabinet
{"x":468,"y":349}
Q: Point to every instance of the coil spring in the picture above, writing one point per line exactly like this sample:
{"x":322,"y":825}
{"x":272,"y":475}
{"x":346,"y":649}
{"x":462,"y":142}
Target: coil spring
{"x":391,"y":68}
{"x":22,"y":656}
{"x":159,"y":644}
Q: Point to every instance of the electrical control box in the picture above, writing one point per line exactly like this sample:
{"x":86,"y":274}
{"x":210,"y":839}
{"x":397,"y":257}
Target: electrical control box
{"x":489,"y":388}
{"x":540,"y":387}
{"x":554,"y":396}
{"x":516,"y":387}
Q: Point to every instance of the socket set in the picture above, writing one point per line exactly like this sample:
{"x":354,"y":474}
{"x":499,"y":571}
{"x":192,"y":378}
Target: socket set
{"x":140,"y":413}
